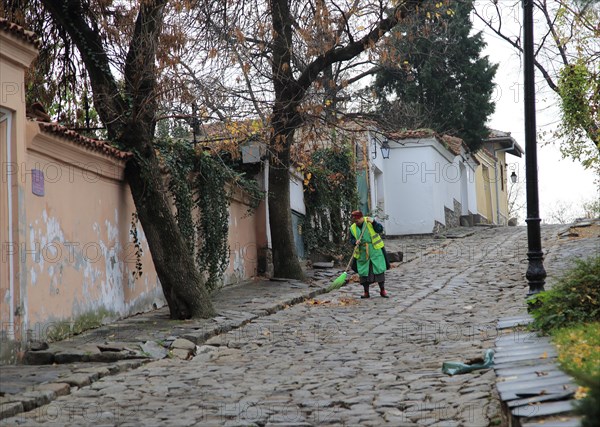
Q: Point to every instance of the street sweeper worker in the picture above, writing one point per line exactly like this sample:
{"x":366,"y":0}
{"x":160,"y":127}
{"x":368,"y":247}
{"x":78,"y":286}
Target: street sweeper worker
{"x":370,"y":257}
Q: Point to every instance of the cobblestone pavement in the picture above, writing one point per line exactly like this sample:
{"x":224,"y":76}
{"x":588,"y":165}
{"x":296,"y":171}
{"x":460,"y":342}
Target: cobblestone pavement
{"x":337,"y":360}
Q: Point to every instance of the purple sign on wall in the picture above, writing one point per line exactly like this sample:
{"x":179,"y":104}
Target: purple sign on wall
{"x":37,"y":182}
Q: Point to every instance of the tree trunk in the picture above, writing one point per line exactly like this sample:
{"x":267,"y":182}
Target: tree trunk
{"x":285,"y":257}
{"x":284,"y":119}
{"x":181,"y":283}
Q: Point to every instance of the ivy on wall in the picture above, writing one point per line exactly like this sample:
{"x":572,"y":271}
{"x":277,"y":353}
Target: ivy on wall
{"x":201,"y":183}
{"x":330,"y":195}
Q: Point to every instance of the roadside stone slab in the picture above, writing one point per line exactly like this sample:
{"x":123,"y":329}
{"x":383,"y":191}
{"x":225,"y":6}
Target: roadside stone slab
{"x":78,"y":380}
{"x":183,"y":344}
{"x":514,"y":321}
{"x":59,"y":389}
{"x":544,"y":409}
{"x":39,"y":357}
{"x":513,"y":390}
{"x":9,"y":409}
{"x":532,"y":376}
{"x":34,"y":399}
{"x":549,"y":422}
{"x":154,"y":350}
{"x":539,"y":399}
{"x":529,"y":380}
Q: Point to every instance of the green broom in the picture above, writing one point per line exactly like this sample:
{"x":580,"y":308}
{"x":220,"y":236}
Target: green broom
{"x":341,"y":280}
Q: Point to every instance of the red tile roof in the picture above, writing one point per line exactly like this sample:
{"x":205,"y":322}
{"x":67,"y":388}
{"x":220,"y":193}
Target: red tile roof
{"x":20,"y":32}
{"x":411,"y":133}
{"x":454,"y":144}
{"x":89,"y":143}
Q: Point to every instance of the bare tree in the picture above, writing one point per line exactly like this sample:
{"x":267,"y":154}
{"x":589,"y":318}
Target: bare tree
{"x":560,"y":213}
{"x":516,"y":200}
{"x":291,"y":53}
{"x":127,"y":104}
{"x":567,"y":54}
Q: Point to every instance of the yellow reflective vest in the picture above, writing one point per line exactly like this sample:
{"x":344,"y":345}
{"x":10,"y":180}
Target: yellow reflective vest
{"x":376,"y":239}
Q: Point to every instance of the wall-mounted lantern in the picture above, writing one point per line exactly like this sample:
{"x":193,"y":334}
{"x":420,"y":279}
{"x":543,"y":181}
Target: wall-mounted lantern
{"x":513,"y":177}
{"x":385,"y":149}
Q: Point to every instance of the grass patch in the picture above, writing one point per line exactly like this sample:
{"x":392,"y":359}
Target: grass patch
{"x":579,"y":349}
{"x":573,"y":300}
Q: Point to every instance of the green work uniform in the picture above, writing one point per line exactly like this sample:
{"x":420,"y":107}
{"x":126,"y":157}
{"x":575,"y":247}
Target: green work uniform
{"x":369,"y":251}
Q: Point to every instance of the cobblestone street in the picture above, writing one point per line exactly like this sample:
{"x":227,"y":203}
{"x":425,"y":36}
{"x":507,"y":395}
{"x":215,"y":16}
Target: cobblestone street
{"x":338,"y":360}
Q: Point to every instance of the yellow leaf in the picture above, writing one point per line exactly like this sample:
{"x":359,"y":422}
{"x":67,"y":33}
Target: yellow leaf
{"x":544,"y":355}
{"x":581,"y":392}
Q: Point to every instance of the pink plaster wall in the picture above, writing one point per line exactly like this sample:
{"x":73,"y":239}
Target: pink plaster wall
{"x":79,"y":256}
{"x":243,"y":251}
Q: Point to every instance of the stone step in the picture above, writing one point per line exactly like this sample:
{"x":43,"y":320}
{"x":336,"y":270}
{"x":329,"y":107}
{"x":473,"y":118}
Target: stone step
{"x":509,"y":371}
{"x":538,"y":399}
{"x":544,"y":409}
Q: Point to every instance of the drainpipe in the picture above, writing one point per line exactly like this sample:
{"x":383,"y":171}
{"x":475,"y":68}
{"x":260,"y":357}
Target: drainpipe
{"x":266,"y":180}
{"x":496,"y":179}
{"x":11,"y":254}
{"x":370,"y":174}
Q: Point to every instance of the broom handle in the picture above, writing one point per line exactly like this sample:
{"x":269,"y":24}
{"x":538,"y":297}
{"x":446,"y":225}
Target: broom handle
{"x":357,"y":243}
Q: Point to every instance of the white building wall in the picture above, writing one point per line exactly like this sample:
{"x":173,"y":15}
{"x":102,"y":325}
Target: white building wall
{"x":408,"y":190}
{"x":297,"y":193}
{"x":472,"y":189}
{"x":421,"y":178}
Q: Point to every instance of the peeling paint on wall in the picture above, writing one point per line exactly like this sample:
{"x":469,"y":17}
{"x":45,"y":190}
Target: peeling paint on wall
{"x":75,"y":279}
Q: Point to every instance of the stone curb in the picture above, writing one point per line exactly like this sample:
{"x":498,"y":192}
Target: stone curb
{"x":43,"y":394}
{"x":532,"y":387}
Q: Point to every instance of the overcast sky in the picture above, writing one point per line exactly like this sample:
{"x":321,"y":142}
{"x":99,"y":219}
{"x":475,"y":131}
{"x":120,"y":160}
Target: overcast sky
{"x":561,"y":181}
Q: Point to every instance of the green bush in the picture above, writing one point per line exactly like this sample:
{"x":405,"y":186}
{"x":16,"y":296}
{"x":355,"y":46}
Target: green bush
{"x":589,"y":407}
{"x":574,"y":299}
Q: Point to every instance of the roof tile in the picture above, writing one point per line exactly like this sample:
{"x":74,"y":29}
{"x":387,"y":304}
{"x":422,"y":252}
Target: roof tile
{"x":89,"y":143}
{"x":20,"y":32}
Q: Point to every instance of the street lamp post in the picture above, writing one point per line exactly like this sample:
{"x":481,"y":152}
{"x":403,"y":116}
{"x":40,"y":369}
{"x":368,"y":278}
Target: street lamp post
{"x":535,"y":271}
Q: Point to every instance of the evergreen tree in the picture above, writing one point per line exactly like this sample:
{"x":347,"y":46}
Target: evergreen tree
{"x":434,"y":69}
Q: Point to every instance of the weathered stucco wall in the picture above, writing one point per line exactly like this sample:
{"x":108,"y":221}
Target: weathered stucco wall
{"x":486,"y":192}
{"x":79,"y":256}
{"x":243,"y":244}
{"x":16,"y":53}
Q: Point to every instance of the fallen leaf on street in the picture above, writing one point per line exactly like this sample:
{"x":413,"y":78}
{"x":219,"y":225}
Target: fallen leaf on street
{"x":317,"y":302}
